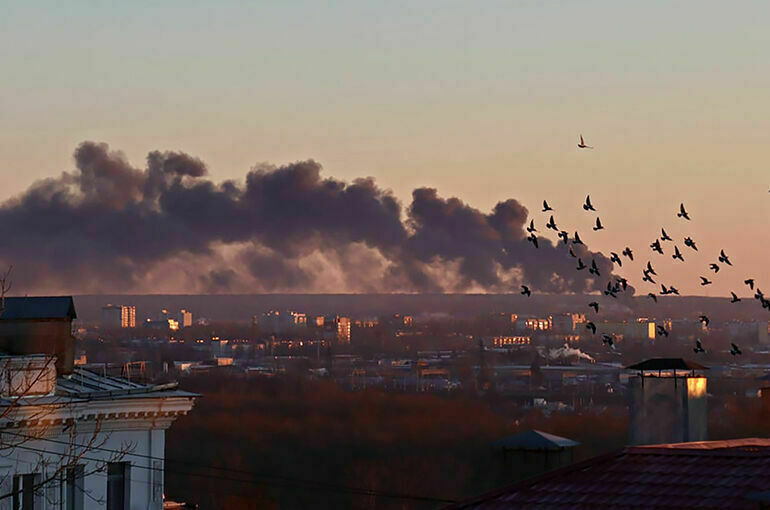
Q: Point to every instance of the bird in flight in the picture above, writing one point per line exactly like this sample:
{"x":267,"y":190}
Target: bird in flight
{"x":735,"y":298}
{"x":611,"y":291}
{"x":580,"y":265}
{"x":593,"y":269}
{"x":759,"y":294}
{"x":564,"y":236}
{"x":750,"y":283}
{"x":583,"y":145}
{"x":714,"y":267}
{"x":533,"y":239}
{"x":551,"y":224}
{"x":698,"y":347}
{"x":723,"y":258}
{"x":598,"y":225}
{"x":682,"y":212}
{"x":652,"y":296}
{"x":656,"y":246}
{"x":647,"y":277}
{"x":607,"y":339}
{"x":677,"y":254}
{"x":664,"y":236}
{"x":628,"y":253}
{"x":734,"y":350}
{"x":531,"y":228}
{"x":588,"y":206}
{"x":662,"y":331}
{"x":623,"y":282}
{"x":690,"y":243}
{"x":577,"y":239}
{"x":594,"y":305}
{"x":590,"y":325}
{"x":673,"y":290}
{"x":705,"y":281}
{"x":525,"y":291}
{"x":705,"y":320}
{"x":614,"y":257}
{"x":546,"y":207}
{"x":650,"y":269}
{"x":664,"y":291}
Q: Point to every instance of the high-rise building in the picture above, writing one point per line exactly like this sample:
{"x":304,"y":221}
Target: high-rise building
{"x":119,"y":316}
{"x":185,"y":318}
{"x":343,"y":329}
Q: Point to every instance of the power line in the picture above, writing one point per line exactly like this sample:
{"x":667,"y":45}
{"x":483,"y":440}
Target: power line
{"x":280,"y":481}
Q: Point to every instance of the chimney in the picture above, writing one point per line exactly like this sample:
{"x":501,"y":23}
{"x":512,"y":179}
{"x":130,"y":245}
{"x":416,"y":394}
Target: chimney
{"x":668,"y":402}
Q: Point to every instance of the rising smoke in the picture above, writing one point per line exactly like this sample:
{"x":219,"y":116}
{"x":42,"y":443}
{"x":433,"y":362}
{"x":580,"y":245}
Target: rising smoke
{"x":110,"y":227}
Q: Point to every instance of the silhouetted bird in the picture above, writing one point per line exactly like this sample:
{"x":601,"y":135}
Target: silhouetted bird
{"x":607,"y":339}
{"x":765,"y":302}
{"x":682,"y":213}
{"x":564,"y":236}
{"x":690,"y":243}
{"x":588,"y":206}
{"x":664,"y":236}
{"x":698,"y":347}
{"x":623,"y":282}
{"x":531,"y":228}
{"x":533,"y":239}
{"x":583,"y":145}
{"x":734,"y":350}
{"x":647,"y":277}
{"x":594,"y":305}
{"x":664,"y":291}
{"x":677,"y":254}
{"x":758,"y":294}
{"x":551,"y":224}
{"x":656,"y":246}
{"x":610,"y":290}
{"x":580,"y":265}
{"x":598,"y":225}
{"x":714,"y":267}
{"x":594,"y":270}
{"x":614,"y":257}
{"x":662,"y":331}
{"x":750,"y":283}
{"x":673,"y":290}
{"x":705,"y":320}
{"x":735,"y":298}
{"x":577,"y":239}
{"x":546,"y":207}
{"x":525,"y":291}
{"x":652,"y":296}
{"x":572,"y":253}
{"x":723,"y":258}
{"x":628,"y":253}
{"x":590,"y":325}
{"x":705,"y":281}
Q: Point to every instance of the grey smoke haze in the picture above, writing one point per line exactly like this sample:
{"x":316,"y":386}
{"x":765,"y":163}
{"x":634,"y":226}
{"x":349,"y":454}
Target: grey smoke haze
{"x":110,"y":227}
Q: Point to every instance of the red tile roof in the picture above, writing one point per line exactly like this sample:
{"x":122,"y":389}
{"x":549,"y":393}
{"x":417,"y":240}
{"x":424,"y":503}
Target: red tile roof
{"x":707,"y":474}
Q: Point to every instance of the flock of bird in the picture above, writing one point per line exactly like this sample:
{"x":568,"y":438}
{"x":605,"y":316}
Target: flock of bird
{"x":618,"y":284}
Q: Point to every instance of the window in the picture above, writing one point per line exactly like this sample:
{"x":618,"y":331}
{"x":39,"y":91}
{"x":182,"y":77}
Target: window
{"x":24,"y":492}
{"x":118,"y":483}
{"x":73,"y":488}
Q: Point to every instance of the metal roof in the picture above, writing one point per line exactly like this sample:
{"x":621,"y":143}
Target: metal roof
{"x":535,"y":440}
{"x":50,"y":307}
{"x":707,"y":474}
{"x":667,"y":364}
{"x":84,"y":384}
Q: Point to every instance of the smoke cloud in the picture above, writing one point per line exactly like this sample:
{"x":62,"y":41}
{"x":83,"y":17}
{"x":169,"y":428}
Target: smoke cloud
{"x":110,"y":227}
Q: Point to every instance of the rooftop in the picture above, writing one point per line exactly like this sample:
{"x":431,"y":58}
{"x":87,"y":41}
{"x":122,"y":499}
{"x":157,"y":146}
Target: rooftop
{"x":50,"y":307}
{"x":535,"y":440}
{"x":708,"y":474}
{"x":667,"y":364}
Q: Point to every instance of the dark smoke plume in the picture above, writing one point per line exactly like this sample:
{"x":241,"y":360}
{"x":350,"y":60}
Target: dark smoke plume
{"x":111,"y":227}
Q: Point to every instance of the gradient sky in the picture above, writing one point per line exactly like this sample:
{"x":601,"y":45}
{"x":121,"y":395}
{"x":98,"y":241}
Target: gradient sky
{"x":483,"y":100}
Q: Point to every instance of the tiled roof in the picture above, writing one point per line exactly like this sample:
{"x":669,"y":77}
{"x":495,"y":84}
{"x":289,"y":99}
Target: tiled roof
{"x":709,"y":474}
{"x":50,"y":307}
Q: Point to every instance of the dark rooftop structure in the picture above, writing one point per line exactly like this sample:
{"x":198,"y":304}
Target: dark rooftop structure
{"x":39,"y":325}
{"x":707,"y":474}
{"x":666,"y":364}
{"x":36,"y":308}
{"x":535,"y":440}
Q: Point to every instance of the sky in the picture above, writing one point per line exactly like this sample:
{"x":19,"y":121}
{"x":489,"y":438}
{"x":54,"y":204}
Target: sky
{"x":483,"y":101}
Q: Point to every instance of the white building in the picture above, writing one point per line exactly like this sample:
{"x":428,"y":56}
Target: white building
{"x":71,"y":439}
